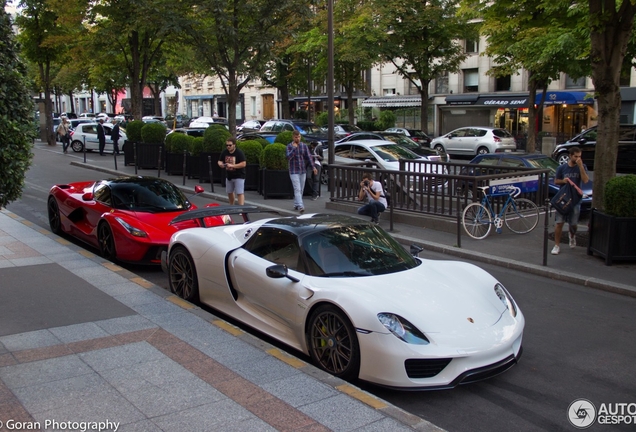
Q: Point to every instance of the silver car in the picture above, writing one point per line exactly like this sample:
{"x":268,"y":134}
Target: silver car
{"x":87,"y":133}
{"x":476,"y":140}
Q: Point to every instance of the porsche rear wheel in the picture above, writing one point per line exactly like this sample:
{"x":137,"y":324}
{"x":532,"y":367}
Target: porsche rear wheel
{"x":182,"y":275}
{"x":333,"y":343}
{"x":54,"y":216}
{"x":106,"y":242}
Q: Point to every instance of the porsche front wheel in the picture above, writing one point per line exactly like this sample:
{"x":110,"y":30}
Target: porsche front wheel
{"x":106,"y":242}
{"x":54,"y":216}
{"x":182,"y":275}
{"x":333,"y":343}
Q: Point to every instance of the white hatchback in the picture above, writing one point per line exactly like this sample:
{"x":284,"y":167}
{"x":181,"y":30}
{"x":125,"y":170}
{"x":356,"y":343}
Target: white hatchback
{"x":475,"y":140}
{"x":87,"y":133}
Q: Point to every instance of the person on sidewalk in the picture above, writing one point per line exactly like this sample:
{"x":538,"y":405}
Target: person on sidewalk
{"x":300,"y":160}
{"x":575,"y":172}
{"x":373,"y":192}
{"x":233,"y":160}
{"x":64,"y":131}
{"x":313,"y":180}
{"x":114,"y":134}
{"x":101,"y":136}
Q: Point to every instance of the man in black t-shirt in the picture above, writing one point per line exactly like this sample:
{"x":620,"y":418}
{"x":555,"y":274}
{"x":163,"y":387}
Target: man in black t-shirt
{"x":233,"y":160}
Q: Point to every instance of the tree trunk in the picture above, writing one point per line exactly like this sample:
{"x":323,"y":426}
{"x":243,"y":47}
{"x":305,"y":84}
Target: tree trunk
{"x":424,"y":109}
{"x":350,"y":110}
{"x":284,"y":101}
{"x":532,"y":115}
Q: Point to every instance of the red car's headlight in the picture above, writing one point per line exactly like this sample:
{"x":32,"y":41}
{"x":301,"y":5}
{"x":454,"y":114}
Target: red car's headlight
{"x":135,"y":232}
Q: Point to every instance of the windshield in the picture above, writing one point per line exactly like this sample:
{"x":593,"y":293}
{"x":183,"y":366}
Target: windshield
{"x":351,"y":251}
{"x":393,"y":153}
{"x":308,"y":128}
{"x":545,"y":163}
{"x":149,"y":195}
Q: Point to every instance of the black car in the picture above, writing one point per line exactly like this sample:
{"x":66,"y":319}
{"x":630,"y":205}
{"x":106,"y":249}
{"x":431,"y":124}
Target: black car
{"x":180,"y":121}
{"x":250,"y":126}
{"x":195,"y":132}
{"x":310,"y":132}
{"x":586,"y":141}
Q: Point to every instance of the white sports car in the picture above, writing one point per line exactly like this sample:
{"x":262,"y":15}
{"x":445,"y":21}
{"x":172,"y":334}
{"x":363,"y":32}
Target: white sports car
{"x":345,"y":292}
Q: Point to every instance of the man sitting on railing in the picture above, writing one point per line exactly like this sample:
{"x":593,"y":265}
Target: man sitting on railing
{"x":373,"y":192}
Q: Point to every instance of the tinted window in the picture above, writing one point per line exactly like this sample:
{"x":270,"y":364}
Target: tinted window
{"x":501,"y":133}
{"x":544,"y":163}
{"x":275,"y":245}
{"x":488,"y":161}
{"x":361,"y":153}
{"x":626,"y":134}
{"x":392,"y":152}
{"x":307,"y":128}
{"x":101,"y":193}
{"x":149,"y":195}
{"x":343,"y":151}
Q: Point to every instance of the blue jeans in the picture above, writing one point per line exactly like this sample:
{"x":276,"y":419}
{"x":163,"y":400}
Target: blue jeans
{"x":298,"y":182}
{"x":373,"y":209}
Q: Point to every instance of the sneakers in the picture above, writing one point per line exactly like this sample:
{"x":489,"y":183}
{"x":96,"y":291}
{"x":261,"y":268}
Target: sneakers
{"x":572,"y":240}
{"x":314,"y":198}
{"x":375,"y":221}
{"x":555,"y":250}
{"x":301,"y":210}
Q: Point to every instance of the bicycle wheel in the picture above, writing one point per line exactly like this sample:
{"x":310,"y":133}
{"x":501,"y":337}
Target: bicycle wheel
{"x":477,"y":221}
{"x":522,"y":215}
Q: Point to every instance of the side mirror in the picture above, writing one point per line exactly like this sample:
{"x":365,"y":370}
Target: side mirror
{"x":415,"y":250}
{"x":88,"y":196}
{"x":198,"y":189}
{"x":279,"y":271}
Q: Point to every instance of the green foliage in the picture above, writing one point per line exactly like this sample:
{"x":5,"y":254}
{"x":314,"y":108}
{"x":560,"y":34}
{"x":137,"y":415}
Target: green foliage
{"x":284,"y":137}
{"x":275,"y":157}
{"x":197,"y":146}
{"x":252,"y":150}
{"x":153,"y":133}
{"x":620,"y":196}
{"x":178,"y":142}
{"x":301,"y":115}
{"x":262,"y":141}
{"x":322,"y":119}
{"x":387,"y":120}
{"x":214,"y":138}
{"x":16,"y":114}
{"x":133,"y":130}
{"x":366,"y":125}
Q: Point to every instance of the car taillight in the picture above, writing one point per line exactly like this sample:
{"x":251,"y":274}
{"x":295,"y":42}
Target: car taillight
{"x":497,"y":139}
{"x":72,"y":133}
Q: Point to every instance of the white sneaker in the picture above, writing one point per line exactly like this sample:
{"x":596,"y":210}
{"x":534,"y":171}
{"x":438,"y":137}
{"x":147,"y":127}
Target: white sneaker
{"x":556,"y":250}
{"x":572,"y":241}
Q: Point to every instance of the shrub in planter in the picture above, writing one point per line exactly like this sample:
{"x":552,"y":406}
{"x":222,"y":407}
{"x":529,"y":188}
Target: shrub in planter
{"x":252,"y":150}
{"x":214,"y":138}
{"x":197,"y":146}
{"x":262,"y":141}
{"x":275,"y":179}
{"x":133,"y":130}
{"x":193,"y":163}
{"x":366,"y":125}
{"x":178,"y":142}
{"x":275,"y":157}
{"x":284,"y":137}
{"x":168,"y":141}
{"x":620,"y":196}
{"x":154,"y":133}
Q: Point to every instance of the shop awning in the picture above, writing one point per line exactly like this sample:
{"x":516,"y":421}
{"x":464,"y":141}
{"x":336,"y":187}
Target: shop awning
{"x":392,"y":101}
{"x":628,"y":94}
{"x":462,"y":99}
{"x":565,"y":98}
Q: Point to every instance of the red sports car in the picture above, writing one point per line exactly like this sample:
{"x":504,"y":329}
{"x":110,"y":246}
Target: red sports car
{"x":127,"y":218}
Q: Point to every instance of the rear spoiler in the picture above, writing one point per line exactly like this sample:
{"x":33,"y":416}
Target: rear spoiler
{"x":203,"y":213}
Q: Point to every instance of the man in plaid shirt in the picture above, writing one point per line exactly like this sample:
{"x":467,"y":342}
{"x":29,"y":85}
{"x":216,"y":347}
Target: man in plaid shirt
{"x":299,"y":159}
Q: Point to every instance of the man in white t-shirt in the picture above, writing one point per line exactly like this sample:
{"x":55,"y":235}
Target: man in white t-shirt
{"x":373,"y":192}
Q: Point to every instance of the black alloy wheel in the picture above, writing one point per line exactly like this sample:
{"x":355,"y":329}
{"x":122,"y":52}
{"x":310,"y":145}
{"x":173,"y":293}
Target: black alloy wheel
{"x":332,"y":342}
{"x":182,"y":275}
{"x":106,"y":242}
{"x":54,"y":216}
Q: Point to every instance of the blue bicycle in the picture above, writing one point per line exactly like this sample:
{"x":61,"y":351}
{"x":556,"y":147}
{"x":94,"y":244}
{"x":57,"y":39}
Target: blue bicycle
{"x":519,"y":214}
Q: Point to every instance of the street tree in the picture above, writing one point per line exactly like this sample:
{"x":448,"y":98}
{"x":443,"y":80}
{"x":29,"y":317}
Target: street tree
{"x":423,"y":40}
{"x":16,"y":116}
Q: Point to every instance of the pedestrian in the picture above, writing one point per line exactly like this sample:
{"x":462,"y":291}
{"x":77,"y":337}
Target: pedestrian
{"x":233,"y":160}
{"x":373,"y":192}
{"x":115,"y":135}
{"x":575,"y":172}
{"x":64,"y":131}
{"x":300,"y":160}
{"x":315,"y":148}
{"x":101,"y":136}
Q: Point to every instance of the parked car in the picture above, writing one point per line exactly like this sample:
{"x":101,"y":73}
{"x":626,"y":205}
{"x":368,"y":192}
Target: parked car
{"x":416,"y":135}
{"x":154,"y":119}
{"x":250,"y":126}
{"x":470,"y":141}
{"x":192,"y":131}
{"x":309,"y":131}
{"x":178,"y":121}
{"x":529,"y":160}
{"x":204,"y":122}
{"x":271,"y":137}
{"x":399,"y":139}
{"x":87,"y":132}
{"x":79,"y":121}
{"x":586,"y":141}
{"x":127,"y":219}
{"x":421,"y":324}
{"x":87,"y":115}
{"x":342,"y":130}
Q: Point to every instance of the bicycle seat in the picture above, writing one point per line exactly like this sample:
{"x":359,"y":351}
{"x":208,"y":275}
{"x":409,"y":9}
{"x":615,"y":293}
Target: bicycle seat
{"x":484,"y":188}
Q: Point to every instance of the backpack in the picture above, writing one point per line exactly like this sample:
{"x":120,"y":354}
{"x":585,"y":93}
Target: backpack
{"x":566,"y":198}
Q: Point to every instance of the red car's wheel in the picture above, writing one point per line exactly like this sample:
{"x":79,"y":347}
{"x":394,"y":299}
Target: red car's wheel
{"x":54,"y":216}
{"x":106,"y":242}
{"x":182,"y":275}
{"x":333,"y":344}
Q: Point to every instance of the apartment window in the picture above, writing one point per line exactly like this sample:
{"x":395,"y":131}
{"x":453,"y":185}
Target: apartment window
{"x":471,"y":80}
{"x":502,"y":83}
{"x":414,"y":89}
{"x":441,"y":84}
{"x":388,"y":92}
{"x":574,"y":83}
{"x":472,"y":45}
{"x":188,"y":85}
{"x":210,"y":84}
{"x":253,"y":98}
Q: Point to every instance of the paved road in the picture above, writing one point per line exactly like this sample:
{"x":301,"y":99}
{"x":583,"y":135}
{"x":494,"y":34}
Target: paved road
{"x":578,"y":342}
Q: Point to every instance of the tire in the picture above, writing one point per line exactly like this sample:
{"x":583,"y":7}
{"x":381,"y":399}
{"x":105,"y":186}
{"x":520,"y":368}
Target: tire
{"x":332,"y":342}
{"x":439,"y":148}
{"x":182,"y":275}
{"x":563,"y":158}
{"x":54,"y":216}
{"x":77,"y":146}
{"x":522,"y":216}
{"x":106,"y":241}
{"x":324,"y":176}
{"x":483,"y":150}
{"x":477,"y":221}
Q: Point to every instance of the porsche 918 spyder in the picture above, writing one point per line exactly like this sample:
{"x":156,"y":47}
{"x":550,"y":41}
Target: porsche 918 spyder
{"x":127,"y":218}
{"x":349,"y":295}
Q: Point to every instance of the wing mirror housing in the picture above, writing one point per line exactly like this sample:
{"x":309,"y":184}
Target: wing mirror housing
{"x":88,"y":196}
{"x":279,"y":271}
{"x":415,"y":250}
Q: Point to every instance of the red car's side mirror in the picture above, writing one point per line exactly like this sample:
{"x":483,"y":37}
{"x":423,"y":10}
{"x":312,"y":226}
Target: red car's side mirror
{"x":198,"y":189}
{"x":88,"y":196}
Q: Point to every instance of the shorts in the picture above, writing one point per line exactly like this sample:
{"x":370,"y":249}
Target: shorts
{"x":236,"y":185}
{"x":572,"y":218}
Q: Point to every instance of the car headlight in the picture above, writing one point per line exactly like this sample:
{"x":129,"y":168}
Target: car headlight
{"x":402,"y":329}
{"x":135,"y":232}
{"x":506,"y":299}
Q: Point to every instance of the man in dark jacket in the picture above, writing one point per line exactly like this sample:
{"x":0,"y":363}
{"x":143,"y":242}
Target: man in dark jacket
{"x":101,"y":136}
{"x":114,"y":134}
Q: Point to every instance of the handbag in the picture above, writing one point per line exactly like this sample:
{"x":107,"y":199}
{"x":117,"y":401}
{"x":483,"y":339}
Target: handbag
{"x":566,"y":198}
